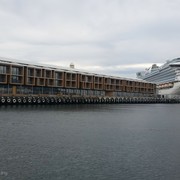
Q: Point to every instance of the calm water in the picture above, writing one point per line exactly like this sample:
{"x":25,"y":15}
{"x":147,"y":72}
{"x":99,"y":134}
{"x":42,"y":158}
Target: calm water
{"x":90,"y":142}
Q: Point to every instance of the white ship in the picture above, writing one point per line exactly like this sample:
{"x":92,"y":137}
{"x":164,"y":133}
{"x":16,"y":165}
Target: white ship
{"x":167,"y":77}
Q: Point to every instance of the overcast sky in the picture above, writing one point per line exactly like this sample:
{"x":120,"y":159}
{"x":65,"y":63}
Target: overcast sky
{"x":118,"y":37}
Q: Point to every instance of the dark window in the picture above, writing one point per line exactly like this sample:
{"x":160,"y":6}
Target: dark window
{"x":15,"y":71}
{"x":15,"y":79}
{"x":2,"y":69}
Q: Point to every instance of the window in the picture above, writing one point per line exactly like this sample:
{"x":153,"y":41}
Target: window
{"x":15,"y":79}
{"x":89,"y":78}
{"x":57,"y":76}
{"x":30,"y":80}
{"x":48,"y":74}
{"x":15,"y":71}
{"x":2,"y":69}
{"x":38,"y":73}
{"x":73,"y":77}
{"x":30,"y":72}
{"x":108,"y":81}
{"x":2,"y":78}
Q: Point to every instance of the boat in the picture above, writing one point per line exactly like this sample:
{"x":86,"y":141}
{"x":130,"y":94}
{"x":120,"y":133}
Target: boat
{"x":166,"y":77}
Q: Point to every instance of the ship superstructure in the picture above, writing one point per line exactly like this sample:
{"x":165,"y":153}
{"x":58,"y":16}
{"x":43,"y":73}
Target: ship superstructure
{"x":167,"y":77}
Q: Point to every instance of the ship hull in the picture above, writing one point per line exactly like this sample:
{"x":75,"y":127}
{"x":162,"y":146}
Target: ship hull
{"x":172,"y":91}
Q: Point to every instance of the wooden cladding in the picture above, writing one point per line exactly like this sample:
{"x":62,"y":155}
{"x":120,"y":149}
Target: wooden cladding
{"x":47,"y":77}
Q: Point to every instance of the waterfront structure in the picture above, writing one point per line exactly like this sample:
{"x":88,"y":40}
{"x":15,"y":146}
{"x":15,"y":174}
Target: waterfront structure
{"x":21,"y":79}
{"x":167,"y":77}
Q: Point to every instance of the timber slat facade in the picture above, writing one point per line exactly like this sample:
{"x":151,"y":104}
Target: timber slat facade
{"x":21,"y":78}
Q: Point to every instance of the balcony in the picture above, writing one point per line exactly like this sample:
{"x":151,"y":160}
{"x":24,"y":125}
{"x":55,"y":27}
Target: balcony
{"x":18,"y":71}
{"x":31,"y":72}
{"x":16,"y":79}
{"x":2,"y":69}
{"x":3,"y":78}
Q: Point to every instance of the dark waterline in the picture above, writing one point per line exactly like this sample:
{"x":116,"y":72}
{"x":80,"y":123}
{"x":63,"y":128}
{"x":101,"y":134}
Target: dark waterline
{"x":98,"y":142}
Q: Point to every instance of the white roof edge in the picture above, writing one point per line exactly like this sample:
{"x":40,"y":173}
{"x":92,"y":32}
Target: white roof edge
{"x":66,"y":69}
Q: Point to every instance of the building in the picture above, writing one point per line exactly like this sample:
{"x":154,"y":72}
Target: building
{"x":20,"y":79}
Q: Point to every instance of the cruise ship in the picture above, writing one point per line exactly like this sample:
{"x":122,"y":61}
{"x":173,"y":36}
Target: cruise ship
{"x":166,"y":76}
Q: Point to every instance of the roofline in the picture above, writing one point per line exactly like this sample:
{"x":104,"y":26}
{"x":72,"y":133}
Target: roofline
{"x":66,"y":69}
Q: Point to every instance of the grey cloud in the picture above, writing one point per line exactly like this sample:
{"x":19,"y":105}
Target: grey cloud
{"x":88,"y":32}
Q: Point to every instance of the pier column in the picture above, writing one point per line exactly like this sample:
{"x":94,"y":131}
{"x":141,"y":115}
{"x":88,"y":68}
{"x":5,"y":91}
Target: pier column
{"x":14,"y":90}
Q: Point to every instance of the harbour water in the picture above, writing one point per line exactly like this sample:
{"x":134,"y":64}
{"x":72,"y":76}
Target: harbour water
{"x":90,"y":142}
